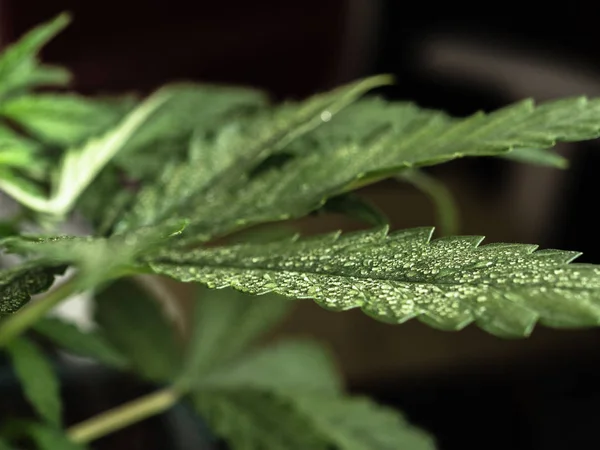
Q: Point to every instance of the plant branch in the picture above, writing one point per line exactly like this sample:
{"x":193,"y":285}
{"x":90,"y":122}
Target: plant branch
{"x":18,"y":323}
{"x":122,"y":416}
{"x":440,"y":196}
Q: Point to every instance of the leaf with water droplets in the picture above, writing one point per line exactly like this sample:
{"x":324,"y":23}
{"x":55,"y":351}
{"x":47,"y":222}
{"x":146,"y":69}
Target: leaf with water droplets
{"x":447,"y":283}
{"x":373,"y":139}
{"x":98,"y":259}
{"x":220,"y":162}
{"x":18,"y":284}
{"x":382,"y":137}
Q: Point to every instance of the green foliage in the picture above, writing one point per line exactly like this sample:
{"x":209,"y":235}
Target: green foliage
{"x":360,"y":424}
{"x":190,"y":109}
{"x":91,"y":344}
{"x":98,"y":259}
{"x":352,"y":205}
{"x":162,"y":180}
{"x":219,"y":163}
{"x":448,"y":282}
{"x":388,"y":137}
{"x":538,"y":157}
{"x":213,"y":342}
{"x":135,"y":325}
{"x":16,"y":151}
{"x":366,"y":142}
{"x":64,"y":120}
{"x":38,"y":380}
{"x":19,"y":68}
{"x":251,"y":420}
{"x":440,"y":196}
{"x":301,"y":407}
{"x":262,"y":399}
{"x":47,"y":438}
{"x":19,"y":283}
{"x":300,"y":366}
{"x":80,"y":165}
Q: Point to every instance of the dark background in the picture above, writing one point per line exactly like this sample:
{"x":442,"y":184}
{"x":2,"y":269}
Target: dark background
{"x":471,"y":390}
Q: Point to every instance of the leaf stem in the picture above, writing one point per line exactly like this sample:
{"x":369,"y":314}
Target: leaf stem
{"x":124,"y":415}
{"x":440,"y":196}
{"x":18,"y":323}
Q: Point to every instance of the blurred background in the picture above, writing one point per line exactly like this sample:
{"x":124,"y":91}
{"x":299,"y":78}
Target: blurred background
{"x":471,"y":390}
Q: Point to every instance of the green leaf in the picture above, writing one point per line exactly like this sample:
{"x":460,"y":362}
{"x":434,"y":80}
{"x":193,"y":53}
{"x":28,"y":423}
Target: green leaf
{"x":139,"y":329}
{"x":287,"y":366}
{"x":353,"y":206}
{"x":4,"y":445}
{"x":246,"y":402}
{"x":225,"y":323}
{"x":42,"y":75}
{"x":269,"y":400}
{"x":448,"y":282}
{"x":8,"y":228}
{"x":18,"y":63}
{"x":47,"y":438}
{"x":23,"y":190}
{"x":91,"y":344}
{"x":360,"y":424}
{"x":19,"y":283}
{"x":399,"y":135}
{"x":16,"y":150}
{"x":98,"y":259}
{"x":371,"y":140}
{"x":105,"y":200}
{"x":256,"y":420}
{"x":64,"y":119}
{"x":223,"y":162}
{"x":440,"y":196}
{"x":537,"y":156}
{"x":38,"y":380}
{"x":80,"y":165}
{"x":190,"y":107}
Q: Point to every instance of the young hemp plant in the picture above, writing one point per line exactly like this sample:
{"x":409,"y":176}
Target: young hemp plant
{"x":163,"y":182}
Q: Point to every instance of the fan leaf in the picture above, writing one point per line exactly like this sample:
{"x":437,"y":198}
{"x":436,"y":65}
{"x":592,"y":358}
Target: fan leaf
{"x":38,"y":380}
{"x":19,"y":68}
{"x":448,"y":282}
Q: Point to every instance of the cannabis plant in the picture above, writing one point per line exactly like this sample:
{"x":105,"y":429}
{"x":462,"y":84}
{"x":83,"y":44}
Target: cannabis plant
{"x":188,"y":183}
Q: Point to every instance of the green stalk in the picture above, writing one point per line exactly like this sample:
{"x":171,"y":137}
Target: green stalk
{"x":440,"y":196}
{"x":122,"y":416}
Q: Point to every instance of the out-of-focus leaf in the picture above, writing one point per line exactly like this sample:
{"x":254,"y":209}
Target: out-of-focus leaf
{"x":225,"y":323}
{"x":90,"y":344}
{"x":137,"y":326}
{"x":537,"y":156}
{"x":38,"y":380}
{"x":19,"y":68}
{"x":47,"y":438}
